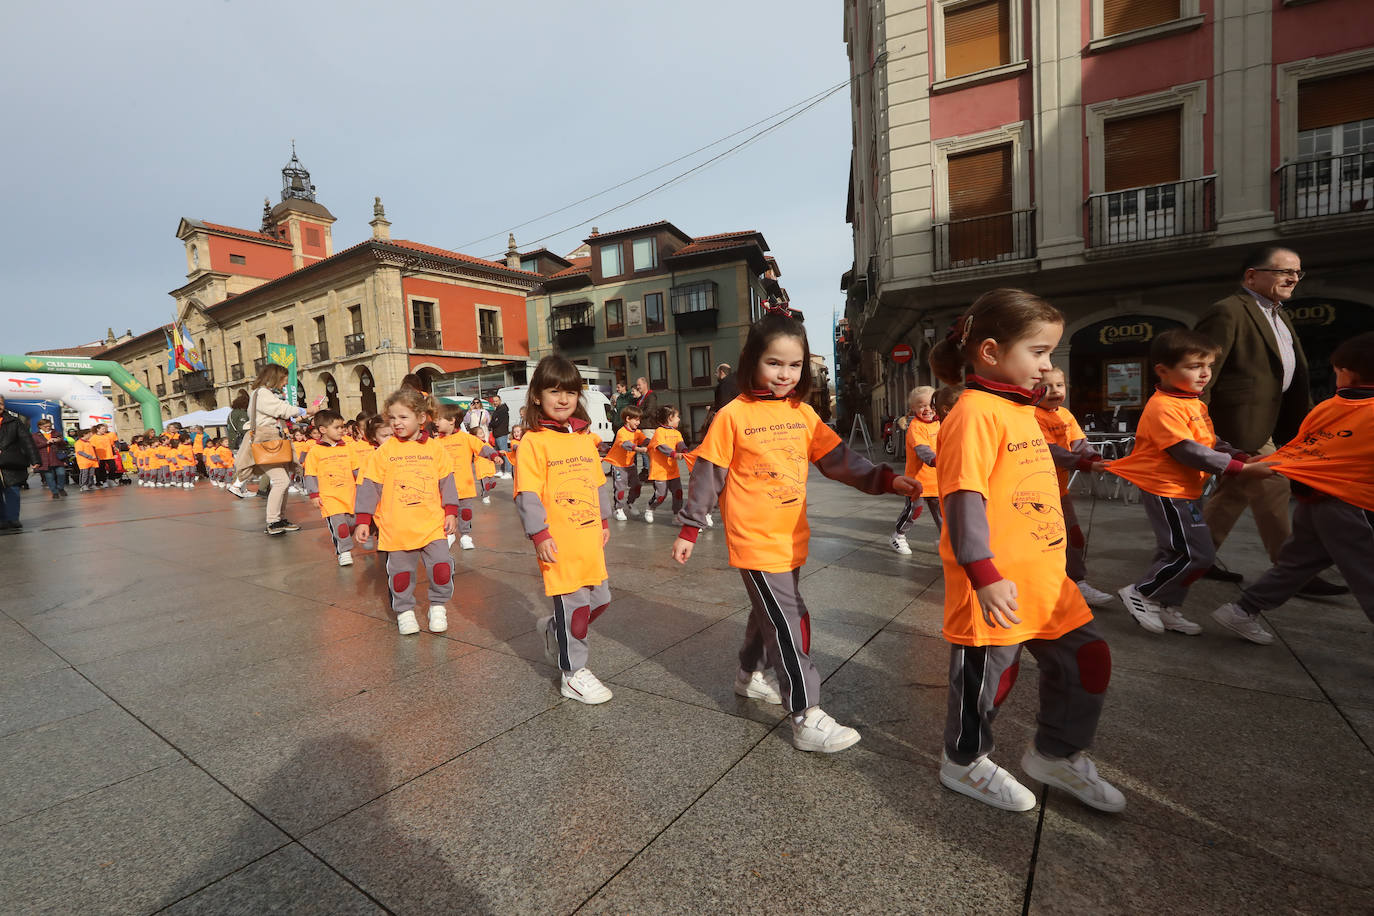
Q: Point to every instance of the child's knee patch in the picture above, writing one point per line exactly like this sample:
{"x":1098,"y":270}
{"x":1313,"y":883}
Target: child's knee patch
{"x":581,"y":619}
{"x":1094,"y":666}
{"x":441,"y":573}
{"x":465,"y":514}
{"x":1006,"y":682}
{"x":343,"y":529}
{"x":400,"y":582}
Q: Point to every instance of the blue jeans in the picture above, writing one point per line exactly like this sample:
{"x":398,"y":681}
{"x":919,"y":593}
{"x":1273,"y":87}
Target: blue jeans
{"x":55,"y":478}
{"x":502,"y":443}
{"x":9,"y":503}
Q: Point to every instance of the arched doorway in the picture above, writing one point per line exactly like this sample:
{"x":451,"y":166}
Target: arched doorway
{"x":367,"y":389}
{"x":427,"y":375}
{"x":331,"y":391}
{"x":1110,"y":377}
{"x":1321,"y":325}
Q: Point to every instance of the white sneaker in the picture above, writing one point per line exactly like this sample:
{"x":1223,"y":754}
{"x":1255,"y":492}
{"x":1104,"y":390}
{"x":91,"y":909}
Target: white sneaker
{"x":620,"y":515}
{"x":465,"y":542}
{"x":407,"y":623}
{"x":1094,"y":596}
{"x":486,"y":500}
{"x":584,"y":687}
{"x":987,"y":782}
{"x":1234,"y":618}
{"x":293,"y":489}
{"x":346,"y":558}
{"x":504,"y":475}
{"x":1145,"y":611}
{"x":451,"y":539}
{"x":899,"y":544}
{"x":1174,"y":620}
{"x":1076,"y":775}
{"x":649,"y":516}
{"x":758,"y":685}
{"x":237,"y":491}
{"x":817,"y":731}
{"x":438,"y":618}
{"x":710,"y":522}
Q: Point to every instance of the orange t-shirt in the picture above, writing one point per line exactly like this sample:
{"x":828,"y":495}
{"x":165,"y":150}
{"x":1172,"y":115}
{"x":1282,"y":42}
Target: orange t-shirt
{"x":1333,"y":451}
{"x":767,"y":446}
{"x":482,"y":468}
{"x":564,"y":471}
{"x":198,"y":443}
{"x":302,"y":449}
{"x":1167,"y":420}
{"x":991,"y":446}
{"x":617,"y":455}
{"x":103,"y":443}
{"x":332,"y":466}
{"x":410,"y":513}
{"x":661,"y":466}
{"x":86,"y":454}
{"x":1061,"y":429}
{"x":226,"y":456}
{"x":463,"y":448}
{"x":919,"y":432}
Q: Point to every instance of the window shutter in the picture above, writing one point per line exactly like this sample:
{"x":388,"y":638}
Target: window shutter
{"x":980,"y":183}
{"x":1143,"y":150}
{"x":1124,"y":15}
{"x":1336,"y":100}
{"x":977,"y":37}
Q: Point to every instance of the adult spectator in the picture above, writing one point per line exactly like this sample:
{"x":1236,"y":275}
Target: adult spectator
{"x":623,"y":399}
{"x":647,"y":402}
{"x":267,"y":407}
{"x":238,"y":419}
{"x":1257,"y":398}
{"x":500,"y":422}
{"x":17,"y":458}
{"x":52,"y":458}
{"x":727,"y":387}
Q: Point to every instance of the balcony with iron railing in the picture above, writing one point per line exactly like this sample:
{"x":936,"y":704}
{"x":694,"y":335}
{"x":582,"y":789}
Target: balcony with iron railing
{"x":161,"y":390}
{"x":203,"y":380}
{"x":1330,"y":186}
{"x":236,"y":372}
{"x":1173,"y":210}
{"x":354,"y":344}
{"x":571,"y":326}
{"x":319,"y":351}
{"x":428,"y":339}
{"x":489,"y":343}
{"x":695,"y":307}
{"x":980,"y":240}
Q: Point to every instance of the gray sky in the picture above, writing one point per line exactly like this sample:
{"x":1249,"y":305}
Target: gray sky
{"x":121,"y":118}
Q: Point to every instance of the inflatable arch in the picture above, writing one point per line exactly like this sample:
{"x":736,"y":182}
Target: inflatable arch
{"x":46,"y":377}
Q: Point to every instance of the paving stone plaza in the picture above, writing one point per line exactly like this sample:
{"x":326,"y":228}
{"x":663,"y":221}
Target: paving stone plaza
{"x":195,"y":718}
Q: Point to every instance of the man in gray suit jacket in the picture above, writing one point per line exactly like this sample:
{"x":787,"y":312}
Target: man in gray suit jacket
{"x":1257,"y":397}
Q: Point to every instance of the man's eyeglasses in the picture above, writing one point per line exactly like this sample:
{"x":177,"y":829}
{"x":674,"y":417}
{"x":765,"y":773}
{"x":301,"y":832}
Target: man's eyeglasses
{"x":1286,"y":271}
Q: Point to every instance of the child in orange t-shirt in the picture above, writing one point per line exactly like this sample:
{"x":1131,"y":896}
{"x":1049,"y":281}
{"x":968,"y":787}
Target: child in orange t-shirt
{"x":1070,"y":450}
{"x":921,"y":429}
{"x":463,"y":449}
{"x":665,"y":447}
{"x":102,"y":443}
{"x":1003,"y":552}
{"x":86,"y":460}
{"x":330,"y":477}
{"x":1329,"y":463}
{"x":1175,"y":451}
{"x":186,"y":462}
{"x":407,"y":487}
{"x":564,"y":504}
{"x":755,"y":457}
{"x":224,"y":461}
{"x":629,"y":440}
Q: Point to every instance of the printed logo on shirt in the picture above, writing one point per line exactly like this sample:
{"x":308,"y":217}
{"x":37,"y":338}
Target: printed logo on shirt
{"x":579,"y":510}
{"x":784,"y":471}
{"x":411,"y":489}
{"x":1037,"y":498}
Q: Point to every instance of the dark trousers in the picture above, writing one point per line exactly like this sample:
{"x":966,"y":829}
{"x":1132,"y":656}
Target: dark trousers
{"x":1325,"y":532}
{"x":9,"y":503}
{"x":1183,"y":548}
{"x":55,"y":478}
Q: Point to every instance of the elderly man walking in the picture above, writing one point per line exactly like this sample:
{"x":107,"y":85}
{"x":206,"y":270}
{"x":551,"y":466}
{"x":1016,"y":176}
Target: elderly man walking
{"x":1257,"y":398}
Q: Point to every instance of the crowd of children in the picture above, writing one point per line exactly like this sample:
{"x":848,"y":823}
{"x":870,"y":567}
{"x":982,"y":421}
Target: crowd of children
{"x":989,"y":454}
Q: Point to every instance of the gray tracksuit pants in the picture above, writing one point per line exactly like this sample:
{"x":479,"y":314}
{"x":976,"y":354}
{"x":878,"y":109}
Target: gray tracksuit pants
{"x":778,"y":636}
{"x":1074,"y":672}
{"x":465,"y":514}
{"x":1183,"y":548}
{"x":908,"y":516}
{"x":1076,"y":554}
{"x":400,"y":575}
{"x":1325,"y":532}
{"x":625,"y":485}
{"x":661,"y":490}
{"x":572,"y":615}
{"x":341,"y":531}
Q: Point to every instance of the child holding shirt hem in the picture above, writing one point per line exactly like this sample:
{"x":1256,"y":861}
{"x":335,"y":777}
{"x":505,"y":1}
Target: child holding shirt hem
{"x":921,"y":430}
{"x":628,"y":442}
{"x":757,"y":451}
{"x":330,"y":479}
{"x":463,"y":450}
{"x":664,"y":450}
{"x":1003,"y":552}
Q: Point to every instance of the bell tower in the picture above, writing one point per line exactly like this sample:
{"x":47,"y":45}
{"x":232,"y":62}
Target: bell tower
{"x":300,"y":219}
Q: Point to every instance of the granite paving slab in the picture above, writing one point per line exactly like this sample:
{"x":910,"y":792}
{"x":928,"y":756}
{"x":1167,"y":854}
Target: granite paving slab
{"x":51,"y":696}
{"x":289,"y":879}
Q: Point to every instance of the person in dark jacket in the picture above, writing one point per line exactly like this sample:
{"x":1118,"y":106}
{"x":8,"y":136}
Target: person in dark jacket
{"x":238,"y":420}
{"x":52,"y":458}
{"x":17,"y":458}
{"x":500,"y":423}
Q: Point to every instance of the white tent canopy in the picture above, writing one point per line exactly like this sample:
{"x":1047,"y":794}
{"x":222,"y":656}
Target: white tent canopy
{"x":219,"y":417}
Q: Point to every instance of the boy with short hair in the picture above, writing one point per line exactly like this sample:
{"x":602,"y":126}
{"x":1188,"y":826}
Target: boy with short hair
{"x":919,"y":444}
{"x":1329,"y":462}
{"x":463,"y":449}
{"x":1175,"y":450}
{"x":629,"y":441}
{"x":331,"y":471}
{"x":86,"y":460}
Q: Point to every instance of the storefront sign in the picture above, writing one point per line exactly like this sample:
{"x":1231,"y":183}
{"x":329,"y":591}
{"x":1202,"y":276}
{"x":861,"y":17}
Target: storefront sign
{"x":1131,"y":332}
{"x":1314,"y":313}
{"x":1124,"y":384}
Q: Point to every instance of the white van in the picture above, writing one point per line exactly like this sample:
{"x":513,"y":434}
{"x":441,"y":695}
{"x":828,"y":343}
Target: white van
{"x":597,"y":405}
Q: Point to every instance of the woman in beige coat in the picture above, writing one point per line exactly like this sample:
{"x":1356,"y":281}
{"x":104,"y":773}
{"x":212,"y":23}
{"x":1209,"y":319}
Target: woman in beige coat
{"x":266,"y":410}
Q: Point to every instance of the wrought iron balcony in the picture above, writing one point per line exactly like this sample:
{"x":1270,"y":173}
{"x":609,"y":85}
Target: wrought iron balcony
{"x":990,"y":239}
{"x":319,"y":351}
{"x":572,"y":326}
{"x":236,"y":372}
{"x":354,"y":344}
{"x":428,"y":339}
{"x":1175,"y":209}
{"x":1326,"y":187}
{"x":197,"y":381}
{"x":694,"y":306}
{"x":488,"y":343}
{"x":161,"y":390}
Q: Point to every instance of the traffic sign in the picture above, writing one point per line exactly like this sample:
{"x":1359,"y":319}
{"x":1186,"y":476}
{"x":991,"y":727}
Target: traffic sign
{"x":902,"y":353}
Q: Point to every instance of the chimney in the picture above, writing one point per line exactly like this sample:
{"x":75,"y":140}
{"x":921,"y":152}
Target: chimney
{"x":512,"y":253}
{"x":381,"y":229}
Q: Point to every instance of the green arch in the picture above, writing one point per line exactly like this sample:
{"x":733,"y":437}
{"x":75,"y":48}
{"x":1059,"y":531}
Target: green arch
{"x":75,"y":365}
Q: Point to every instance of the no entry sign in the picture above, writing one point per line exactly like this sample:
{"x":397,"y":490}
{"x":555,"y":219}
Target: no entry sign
{"x":902,"y":353}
